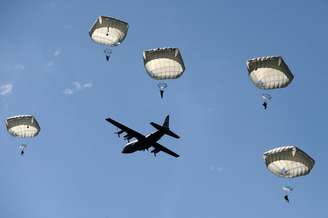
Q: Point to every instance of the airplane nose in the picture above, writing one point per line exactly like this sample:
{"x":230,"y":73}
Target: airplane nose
{"x":124,"y":151}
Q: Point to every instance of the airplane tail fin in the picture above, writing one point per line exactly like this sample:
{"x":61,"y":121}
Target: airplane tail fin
{"x":165,"y":128}
{"x":166,"y":123}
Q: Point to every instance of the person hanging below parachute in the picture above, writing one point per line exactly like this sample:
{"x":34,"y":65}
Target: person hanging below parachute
{"x":286,"y":198}
{"x":266,"y":98}
{"x":108,"y":53}
{"x":162,"y":86}
{"x":270,"y":72}
{"x":22,"y":148}
{"x":163,"y":64}
{"x":22,"y":126}
{"x":288,"y":162}
{"x":287,"y":190}
{"x":110,"y":32}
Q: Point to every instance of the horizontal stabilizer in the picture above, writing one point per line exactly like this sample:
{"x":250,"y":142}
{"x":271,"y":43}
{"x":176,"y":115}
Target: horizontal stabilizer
{"x":164,"y":130}
{"x":158,"y":147}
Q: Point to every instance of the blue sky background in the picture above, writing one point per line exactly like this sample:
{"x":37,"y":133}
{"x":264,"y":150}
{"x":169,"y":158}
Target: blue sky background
{"x":75,"y":169}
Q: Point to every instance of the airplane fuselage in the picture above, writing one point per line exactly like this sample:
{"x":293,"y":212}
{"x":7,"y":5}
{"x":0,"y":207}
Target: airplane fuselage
{"x":144,"y":144}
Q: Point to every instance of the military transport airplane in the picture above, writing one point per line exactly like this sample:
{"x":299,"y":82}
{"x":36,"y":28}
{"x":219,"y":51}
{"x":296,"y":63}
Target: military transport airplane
{"x":144,"y":142}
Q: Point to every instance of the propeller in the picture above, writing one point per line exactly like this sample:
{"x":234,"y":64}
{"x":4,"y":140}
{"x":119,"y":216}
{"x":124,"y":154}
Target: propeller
{"x":119,"y":132}
{"x":128,"y":137}
{"x":155,"y":151}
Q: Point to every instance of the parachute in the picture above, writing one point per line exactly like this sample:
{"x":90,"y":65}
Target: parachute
{"x":269,"y":72}
{"x":163,"y":64}
{"x":288,"y":162}
{"x":23,"y":126}
{"x":108,"y":31}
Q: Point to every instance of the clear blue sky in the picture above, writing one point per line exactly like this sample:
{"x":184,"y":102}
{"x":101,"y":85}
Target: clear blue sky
{"x":75,"y":169}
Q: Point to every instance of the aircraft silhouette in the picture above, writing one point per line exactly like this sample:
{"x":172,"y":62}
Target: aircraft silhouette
{"x":144,"y":142}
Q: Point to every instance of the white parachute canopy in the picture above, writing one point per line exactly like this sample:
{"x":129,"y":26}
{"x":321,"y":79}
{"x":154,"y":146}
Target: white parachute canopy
{"x":269,"y":72}
{"x":163,"y":63}
{"x":23,"y":126}
{"x":288,"y":162}
{"x":108,"y":31}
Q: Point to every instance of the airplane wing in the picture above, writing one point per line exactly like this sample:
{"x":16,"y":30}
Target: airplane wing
{"x":130,"y":132}
{"x":160,"y":147}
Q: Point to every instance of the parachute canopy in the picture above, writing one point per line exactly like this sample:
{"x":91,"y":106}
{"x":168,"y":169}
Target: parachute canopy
{"x":23,"y":126}
{"x":108,"y":31}
{"x":269,"y":72}
{"x":163,"y":63}
{"x":288,"y":162}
